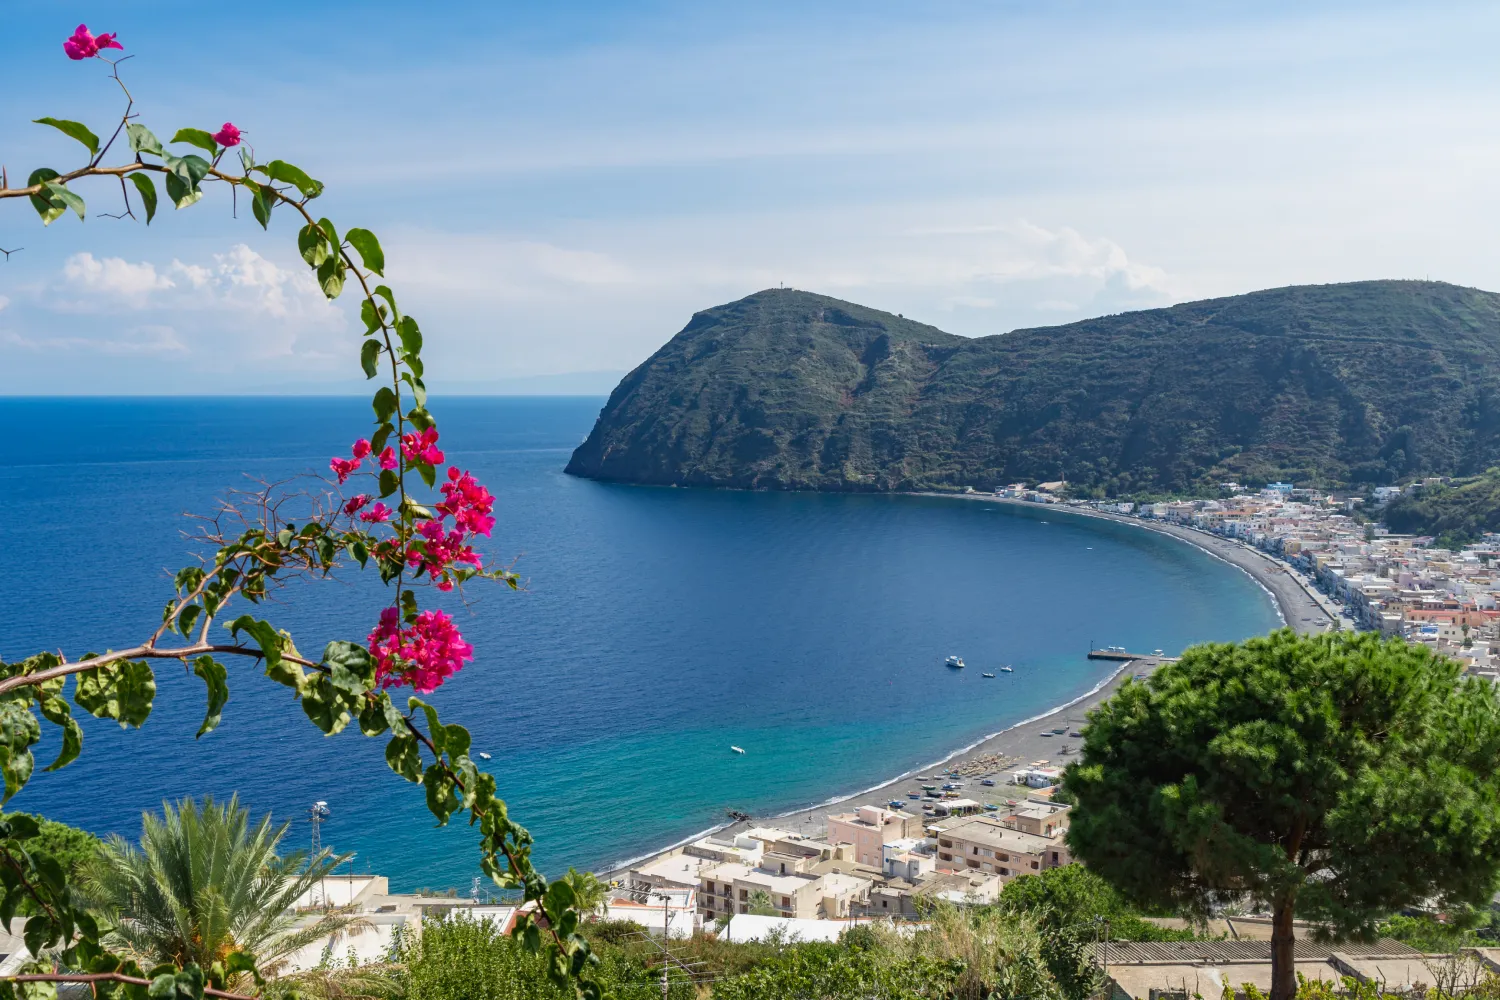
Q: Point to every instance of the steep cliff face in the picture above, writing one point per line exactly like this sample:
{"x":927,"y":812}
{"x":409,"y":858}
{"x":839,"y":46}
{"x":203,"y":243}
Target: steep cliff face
{"x":1363,"y":382}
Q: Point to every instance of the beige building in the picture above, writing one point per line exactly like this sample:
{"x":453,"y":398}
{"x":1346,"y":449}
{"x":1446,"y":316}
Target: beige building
{"x":802,"y":885}
{"x":869,"y":828}
{"x":1038,"y":818}
{"x":984,"y":845}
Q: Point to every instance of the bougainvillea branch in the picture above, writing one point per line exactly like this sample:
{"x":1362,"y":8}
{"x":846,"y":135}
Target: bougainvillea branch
{"x":412,"y":543}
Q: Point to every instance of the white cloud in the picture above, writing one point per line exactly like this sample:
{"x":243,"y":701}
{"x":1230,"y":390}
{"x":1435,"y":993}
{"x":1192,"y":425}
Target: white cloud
{"x":233,"y":310}
{"x":142,"y":340}
{"x":240,"y":279}
{"x":114,"y":276}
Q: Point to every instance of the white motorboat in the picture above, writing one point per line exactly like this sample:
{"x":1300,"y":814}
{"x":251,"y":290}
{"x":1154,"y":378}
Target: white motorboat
{"x":737,"y":749}
{"x":483,"y":755}
{"x":1006,"y":669}
{"x":956,"y":662}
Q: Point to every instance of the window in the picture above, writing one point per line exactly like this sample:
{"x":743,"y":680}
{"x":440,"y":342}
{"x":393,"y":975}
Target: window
{"x":786,"y":900}
{"x":1035,"y":865}
{"x":884,"y":904}
{"x":744,"y":894}
{"x":945,"y":843}
{"x":710,"y":888}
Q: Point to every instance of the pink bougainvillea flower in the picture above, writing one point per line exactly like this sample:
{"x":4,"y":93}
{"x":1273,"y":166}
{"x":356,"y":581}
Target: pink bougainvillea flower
{"x":377,"y":514}
{"x":422,"y":447}
{"x":354,"y":503}
{"x":467,"y":502}
{"x":83,"y":45}
{"x":228,"y":136}
{"x":424,"y":654}
{"x":388,"y":458}
{"x":342,"y":467}
{"x":361,"y":449}
{"x":107,"y":41}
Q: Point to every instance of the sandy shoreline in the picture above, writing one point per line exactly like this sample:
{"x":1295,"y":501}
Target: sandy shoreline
{"x":1024,"y":742}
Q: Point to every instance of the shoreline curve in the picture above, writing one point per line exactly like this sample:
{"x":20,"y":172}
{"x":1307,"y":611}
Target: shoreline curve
{"x":1295,"y":604}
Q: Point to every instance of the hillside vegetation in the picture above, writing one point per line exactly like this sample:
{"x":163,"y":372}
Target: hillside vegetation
{"x":1362,"y":383}
{"x":1456,"y":514}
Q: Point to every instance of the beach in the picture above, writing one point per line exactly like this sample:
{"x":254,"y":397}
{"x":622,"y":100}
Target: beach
{"x":1032,"y":741}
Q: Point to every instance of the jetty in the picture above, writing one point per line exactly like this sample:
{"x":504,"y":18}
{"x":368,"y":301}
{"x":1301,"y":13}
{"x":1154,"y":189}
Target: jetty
{"x":1120,"y":654}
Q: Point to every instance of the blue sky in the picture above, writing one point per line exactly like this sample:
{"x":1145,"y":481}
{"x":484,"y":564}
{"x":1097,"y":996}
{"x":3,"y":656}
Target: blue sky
{"x":560,"y":186}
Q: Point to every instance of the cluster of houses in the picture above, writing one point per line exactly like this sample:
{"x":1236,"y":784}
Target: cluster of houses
{"x":871,"y":862}
{"x":1387,"y":582}
{"x":1391,"y":583}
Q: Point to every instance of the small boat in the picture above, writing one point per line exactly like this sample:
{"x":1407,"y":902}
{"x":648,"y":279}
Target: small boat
{"x":1007,"y":669}
{"x":737,"y":749}
{"x":914,"y":795}
{"x":956,"y":662}
{"x":483,"y":755}
{"x":1058,"y":731}
{"x":990,"y":782}
{"x":986,"y":675}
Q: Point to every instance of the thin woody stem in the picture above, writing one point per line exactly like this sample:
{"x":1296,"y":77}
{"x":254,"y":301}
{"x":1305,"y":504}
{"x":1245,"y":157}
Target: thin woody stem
{"x":142,"y":652}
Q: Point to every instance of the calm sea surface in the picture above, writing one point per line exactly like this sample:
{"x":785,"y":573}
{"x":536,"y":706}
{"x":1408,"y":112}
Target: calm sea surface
{"x":658,"y":627}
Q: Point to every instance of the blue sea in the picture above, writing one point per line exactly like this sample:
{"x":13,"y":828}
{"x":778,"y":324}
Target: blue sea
{"x":657,"y":627}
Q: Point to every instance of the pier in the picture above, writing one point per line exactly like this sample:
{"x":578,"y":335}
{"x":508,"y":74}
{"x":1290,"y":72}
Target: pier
{"x":1118,"y":654}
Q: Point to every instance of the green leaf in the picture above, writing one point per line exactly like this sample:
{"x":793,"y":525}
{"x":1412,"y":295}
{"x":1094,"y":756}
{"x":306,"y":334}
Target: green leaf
{"x":370,"y":316}
{"x":418,"y":388}
{"x":384,"y":403}
{"x":182,"y":196}
{"x":390,"y":297}
{"x":261,"y":204}
{"x":331,"y":233}
{"x":312,"y":244}
{"x":372,"y":720}
{"x":411,"y":336}
{"x":68,"y":197}
{"x":419,"y":417}
{"x":350,"y":667}
{"x":331,"y":276}
{"x":389,"y":482}
{"x":369,"y":249}
{"x":48,"y":207}
{"x":142,"y":140}
{"x":73,"y":130}
{"x":217,"y":678}
{"x":197,"y":137}
{"x":427,"y":472}
{"x":404,"y":756}
{"x":456,"y":741}
{"x":436,"y":731}
{"x":441,"y":801}
{"x":280,"y":170}
{"x":272,"y":644}
{"x":187,"y":617}
{"x":56,"y":711}
{"x":192,"y":168}
{"x":148,"y":193}
{"x":121,"y":691}
{"x":382,"y":433}
{"x":369,"y":356}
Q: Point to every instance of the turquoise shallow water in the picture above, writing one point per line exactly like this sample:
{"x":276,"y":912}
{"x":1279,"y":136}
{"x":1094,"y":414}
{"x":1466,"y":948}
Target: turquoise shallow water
{"x":658,"y":627}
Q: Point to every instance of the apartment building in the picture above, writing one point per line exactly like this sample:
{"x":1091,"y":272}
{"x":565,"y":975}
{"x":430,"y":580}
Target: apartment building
{"x":984,"y":845}
{"x":869,"y":828}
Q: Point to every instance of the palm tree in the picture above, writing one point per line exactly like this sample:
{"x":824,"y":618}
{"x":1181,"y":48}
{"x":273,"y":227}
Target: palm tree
{"x":203,"y":884}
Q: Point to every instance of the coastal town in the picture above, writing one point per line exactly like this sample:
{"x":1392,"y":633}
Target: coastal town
{"x":1358,"y":572}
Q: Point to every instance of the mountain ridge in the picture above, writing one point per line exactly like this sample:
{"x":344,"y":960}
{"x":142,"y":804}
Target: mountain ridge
{"x":1364,"y":382}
